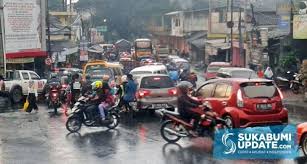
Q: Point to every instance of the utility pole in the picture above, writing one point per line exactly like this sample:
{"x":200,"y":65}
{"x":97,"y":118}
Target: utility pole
{"x":48,"y":28}
{"x":231,"y":31}
{"x":240,"y":34}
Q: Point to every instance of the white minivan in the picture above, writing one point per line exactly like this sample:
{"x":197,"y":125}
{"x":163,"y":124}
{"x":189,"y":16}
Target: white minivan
{"x":149,"y":69}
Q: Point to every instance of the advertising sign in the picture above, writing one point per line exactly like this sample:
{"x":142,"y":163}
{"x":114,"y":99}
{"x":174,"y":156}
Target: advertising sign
{"x":22,"y":25}
{"x":300,"y":27}
{"x":283,"y":12}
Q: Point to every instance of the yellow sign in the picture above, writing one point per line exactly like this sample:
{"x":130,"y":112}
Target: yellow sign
{"x":300,"y":27}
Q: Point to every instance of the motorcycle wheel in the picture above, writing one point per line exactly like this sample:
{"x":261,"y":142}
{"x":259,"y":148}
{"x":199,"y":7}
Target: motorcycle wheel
{"x":295,"y":89}
{"x":73,"y":124}
{"x":304,"y":144}
{"x":114,"y":118}
{"x":170,"y":138}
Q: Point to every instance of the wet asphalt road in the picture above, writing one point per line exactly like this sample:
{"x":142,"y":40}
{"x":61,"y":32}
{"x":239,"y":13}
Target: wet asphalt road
{"x":42,"y":138}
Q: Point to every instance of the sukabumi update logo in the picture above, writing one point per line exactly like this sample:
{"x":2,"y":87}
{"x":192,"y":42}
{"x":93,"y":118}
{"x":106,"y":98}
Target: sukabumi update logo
{"x":256,"y":143}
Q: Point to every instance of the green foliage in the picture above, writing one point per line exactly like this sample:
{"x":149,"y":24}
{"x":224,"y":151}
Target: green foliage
{"x":288,"y":60}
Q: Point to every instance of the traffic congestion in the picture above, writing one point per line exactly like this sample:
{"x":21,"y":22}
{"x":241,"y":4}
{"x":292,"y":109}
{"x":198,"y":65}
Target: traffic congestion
{"x":153,"y":82}
{"x":101,"y":92}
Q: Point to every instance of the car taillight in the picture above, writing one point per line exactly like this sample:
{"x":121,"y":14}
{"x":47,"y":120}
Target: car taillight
{"x":172,"y":92}
{"x":240,"y":102}
{"x":142,"y":93}
{"x":280,"y":94}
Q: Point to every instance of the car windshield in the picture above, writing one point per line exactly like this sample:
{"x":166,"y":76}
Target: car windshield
{"x":97,"y":72}
{"x":244,"y":74}
{"x":213,"y":69}
{"x":259,"y":90}
{"x":156,"y":82}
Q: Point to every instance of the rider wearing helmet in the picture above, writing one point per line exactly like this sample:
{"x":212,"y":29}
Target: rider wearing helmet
{"x":187,"y":103}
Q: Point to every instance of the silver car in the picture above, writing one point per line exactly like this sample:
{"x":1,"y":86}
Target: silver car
{"x":156,"y":91}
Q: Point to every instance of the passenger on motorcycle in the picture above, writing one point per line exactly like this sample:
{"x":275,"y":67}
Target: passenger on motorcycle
{"x":186,"y":103}
{"x":108,"y":100}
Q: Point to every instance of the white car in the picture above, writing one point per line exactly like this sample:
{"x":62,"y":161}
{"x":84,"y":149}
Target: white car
{"x":17,"y":82}
{"x":149,"y":69}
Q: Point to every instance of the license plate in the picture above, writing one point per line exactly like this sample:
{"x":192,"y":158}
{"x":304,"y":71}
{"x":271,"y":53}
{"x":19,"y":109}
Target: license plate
{"x":291,"y":85}
{"x":159,"y":106}
{"x":76,"y":85}
{"x":264,"y":106}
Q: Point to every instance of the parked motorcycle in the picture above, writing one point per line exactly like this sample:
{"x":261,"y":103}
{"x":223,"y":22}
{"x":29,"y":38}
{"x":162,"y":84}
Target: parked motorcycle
{"x":84,"y":112}
{"x":174,"y":127}
{"x":297,"y":84}
{"x":285,"y":82}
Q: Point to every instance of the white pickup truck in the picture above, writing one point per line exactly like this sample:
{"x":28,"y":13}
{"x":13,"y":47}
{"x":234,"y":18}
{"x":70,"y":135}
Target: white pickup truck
{"x":17,"y":82}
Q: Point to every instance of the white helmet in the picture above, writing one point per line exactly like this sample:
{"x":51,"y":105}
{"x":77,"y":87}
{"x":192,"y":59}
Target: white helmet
{"x":124,"y":78}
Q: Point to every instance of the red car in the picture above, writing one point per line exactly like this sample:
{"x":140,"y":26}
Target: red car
{"x":245,"y":103}
{"x":213,"y":68}
{"x":302,"y":136}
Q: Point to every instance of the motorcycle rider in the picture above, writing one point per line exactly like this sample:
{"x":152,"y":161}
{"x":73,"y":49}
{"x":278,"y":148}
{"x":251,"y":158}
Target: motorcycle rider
{"x":74,"y":91}
{"x":86,"y":86}
{"x":186,"y":103}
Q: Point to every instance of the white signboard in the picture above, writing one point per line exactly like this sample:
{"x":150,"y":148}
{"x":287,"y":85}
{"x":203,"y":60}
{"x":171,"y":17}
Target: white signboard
{"x":22,"y":25}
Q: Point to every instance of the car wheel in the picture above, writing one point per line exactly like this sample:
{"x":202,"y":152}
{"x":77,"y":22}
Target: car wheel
{"x":229,"y":122}
{"x":304,"y":144}
{"x":16,"y":95}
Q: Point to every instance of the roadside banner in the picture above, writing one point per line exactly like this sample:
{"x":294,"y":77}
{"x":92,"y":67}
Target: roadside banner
{"x":300,"y":27}
{"x":271,"y":142}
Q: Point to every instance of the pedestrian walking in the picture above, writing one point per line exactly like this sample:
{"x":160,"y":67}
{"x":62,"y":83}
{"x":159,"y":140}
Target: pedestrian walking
{"x":130,"y":91}
{"x":32,"y":96}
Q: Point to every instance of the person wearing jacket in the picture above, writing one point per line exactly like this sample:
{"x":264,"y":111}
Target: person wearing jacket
{"x":186,"y":104}
{"x":86,"y":86}
{"x":130,"y":91}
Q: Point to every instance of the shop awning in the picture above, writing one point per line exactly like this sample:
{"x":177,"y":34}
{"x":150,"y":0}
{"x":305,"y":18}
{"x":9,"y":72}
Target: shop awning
{"x":26,"y":54}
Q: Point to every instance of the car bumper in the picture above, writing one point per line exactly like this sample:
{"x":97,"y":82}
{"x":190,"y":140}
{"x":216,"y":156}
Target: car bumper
{"x":157,"y":103}
{"x":246,"y":120}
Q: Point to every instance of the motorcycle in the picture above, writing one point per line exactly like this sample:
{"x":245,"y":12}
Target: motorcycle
{"x":285,"y":82}
{"x":86,"y":113}
{"x":297,"y":84}
{"x":54,"y":96}
{"x":174,"y":127}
